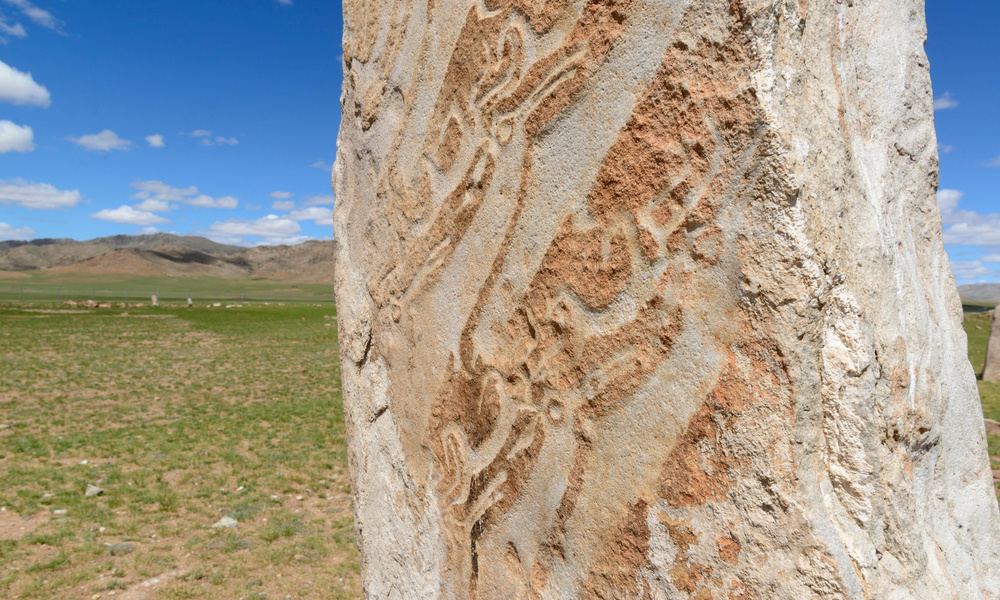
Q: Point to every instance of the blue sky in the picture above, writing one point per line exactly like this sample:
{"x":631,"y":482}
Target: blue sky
{"x":964,"y":51}
{"x":219,"y":118}
{"x":211,"y":118}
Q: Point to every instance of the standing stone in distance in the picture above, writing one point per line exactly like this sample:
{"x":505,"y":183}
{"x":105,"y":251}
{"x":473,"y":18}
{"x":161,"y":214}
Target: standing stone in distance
{"x":991,"y":372}
{"x":647,"y":299}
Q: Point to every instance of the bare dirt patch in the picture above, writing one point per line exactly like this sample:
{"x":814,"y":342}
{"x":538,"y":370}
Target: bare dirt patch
{"x":15,"y":527}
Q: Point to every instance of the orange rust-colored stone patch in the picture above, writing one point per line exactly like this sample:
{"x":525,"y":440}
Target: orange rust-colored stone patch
{"x":613,"y":575}
{"x":729,"y":550}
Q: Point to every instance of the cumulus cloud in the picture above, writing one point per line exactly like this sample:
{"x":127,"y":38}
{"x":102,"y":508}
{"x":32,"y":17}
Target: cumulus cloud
{"x":130,"y":216}
{"x":971,"y":271}
{"x":947,"y":200}
{"x":269,"y":230}
{"x":219,"y":141}
{"x":319,"y":201}
{"x":104,"y":141}
{"x":974,"y":229}
{"x":281,"y":195}
{"x":966,"y":227}
{"x":316,"y":214}
{"x":945,"y":102}
{"x":208,"y":140}
{"x":10,"y":29}
{"x":161,"y":192}
{"x":41,"y":196}
{"x":155,"y":141}
{"x":16,"y":138}
{"x":37,"y":15}
{"x":18,"y":87}
{"x":282,"y":205}
{"x":153,"y":205}
{"x":9,"y":232}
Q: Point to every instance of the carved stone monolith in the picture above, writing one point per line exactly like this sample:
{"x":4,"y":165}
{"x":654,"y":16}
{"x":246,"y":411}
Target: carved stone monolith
{"x":991,"y":370}
{"x":648,"y":299}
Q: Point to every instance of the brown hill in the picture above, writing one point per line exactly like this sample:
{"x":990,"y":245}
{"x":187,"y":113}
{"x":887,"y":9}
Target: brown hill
{"x":165,"y":255}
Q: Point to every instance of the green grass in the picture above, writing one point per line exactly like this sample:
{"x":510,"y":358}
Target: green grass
{"x":45,"y":286}
{"x":977,"y":327}
{"x":183,"y":416}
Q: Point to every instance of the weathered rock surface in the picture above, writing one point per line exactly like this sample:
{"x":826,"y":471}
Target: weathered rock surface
{"x":991,"y":372}
{"x":647,"y":299}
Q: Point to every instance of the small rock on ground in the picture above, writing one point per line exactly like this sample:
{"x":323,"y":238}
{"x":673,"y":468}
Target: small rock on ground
{"x":226,"y":523}
{"x":93,"y":490}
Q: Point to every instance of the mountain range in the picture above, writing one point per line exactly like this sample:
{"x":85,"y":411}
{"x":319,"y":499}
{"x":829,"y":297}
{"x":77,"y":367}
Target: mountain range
{"x":168,"y":255}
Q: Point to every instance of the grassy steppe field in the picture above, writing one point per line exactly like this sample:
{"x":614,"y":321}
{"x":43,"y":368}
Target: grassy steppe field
{"x":47,"y":286}
{"x":182,"y":417}
{"x":977,"y":326}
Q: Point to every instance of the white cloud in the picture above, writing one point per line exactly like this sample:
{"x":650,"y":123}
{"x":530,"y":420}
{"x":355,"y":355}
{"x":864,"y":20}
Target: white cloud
{"x":161,"y":192}
{"x":946,"y":149}
{"x":208,"y":140}
{"x":155,"y":141}
{"x":990,"y":258}
{"x":317,"y":214}
{"x":38,"y":15}
{"x":281,"y":195}
{"x":9,"y":232}
{"x":966,"y":227}
{"x":321,"y":165}
{"x":282,"y":205}
{"x":973,"y":229}
{"x":945,"y":102}
{"x":42,"y":196}
{"x":219,"y":141}
{"x":947,"y":200}
{"x":206,"y":201}
{"x":319,"y":201}
{"x":16,"y":138}
{"x":148,"y":231}
{"x":971,"y":271}
{"x":129,"y":216}
{"x":8,"y":29}
{"x":104,"y":141}
{"x":271,"y":229}
{"x":153,"y":205}
{"x":18,"y":87}
{"x":994,"y":162}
